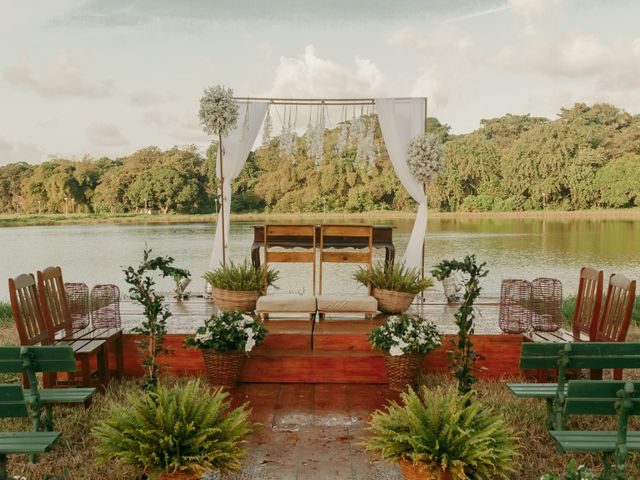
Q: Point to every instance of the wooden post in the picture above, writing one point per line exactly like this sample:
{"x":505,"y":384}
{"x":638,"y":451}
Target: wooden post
{"x":424,"y":186}
{"x":221,"y":176}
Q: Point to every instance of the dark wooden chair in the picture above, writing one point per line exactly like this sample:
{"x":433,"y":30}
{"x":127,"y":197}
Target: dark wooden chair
{"x":616,"y":316}
{"x":354,"y":303}
{"x":59,"y":323}
{"x":588,"y":304}
{"x":289,"y":303}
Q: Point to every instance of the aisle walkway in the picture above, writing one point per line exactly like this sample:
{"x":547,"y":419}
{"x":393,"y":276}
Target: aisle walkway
{"x":312,"y":432}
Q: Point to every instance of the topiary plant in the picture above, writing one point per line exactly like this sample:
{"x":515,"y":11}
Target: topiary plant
{"x":394,"y":277}
{"x":188,"y":429}
{"x":443,"y":431}
{"x":241,"y":277}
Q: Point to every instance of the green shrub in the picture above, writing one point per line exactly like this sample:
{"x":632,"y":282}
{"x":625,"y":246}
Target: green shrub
{"x":187,"y":429}
{"x":6,"y":317}
{"x":582,"y":473}
{"x":444,"y":430}
{"x":241,"y":277}
{"x":394,"y":277}
{"x":569,"y":307}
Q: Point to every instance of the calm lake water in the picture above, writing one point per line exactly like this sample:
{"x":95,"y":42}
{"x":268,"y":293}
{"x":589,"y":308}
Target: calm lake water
{"x":512,"y":249}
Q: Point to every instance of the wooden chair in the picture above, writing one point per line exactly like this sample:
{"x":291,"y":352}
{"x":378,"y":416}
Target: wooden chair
{"x":346,"y":303}
{"x":588,"y":303}
{"x":31,"y":316}
{"x":289,"y":303}
{"x":616,"y":316}
{"x":57,"y":317}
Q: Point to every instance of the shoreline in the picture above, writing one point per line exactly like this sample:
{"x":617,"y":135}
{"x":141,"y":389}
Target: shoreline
{"x":139,"y":218}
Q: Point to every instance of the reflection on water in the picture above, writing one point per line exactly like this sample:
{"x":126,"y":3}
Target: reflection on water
{"x":525,"y":248}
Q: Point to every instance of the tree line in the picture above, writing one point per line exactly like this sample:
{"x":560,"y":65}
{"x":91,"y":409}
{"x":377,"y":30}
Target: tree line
{"x":589,"y":157}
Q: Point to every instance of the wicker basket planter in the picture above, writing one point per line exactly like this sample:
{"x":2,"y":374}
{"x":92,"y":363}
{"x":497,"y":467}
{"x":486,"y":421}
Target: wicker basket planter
{"x":230,"y":300}
{"x":223,"y":369}
{"x":403,"y":370}
{"x":412,"y":471}
{"x":178,"y":476}
{"x":390,"y":301}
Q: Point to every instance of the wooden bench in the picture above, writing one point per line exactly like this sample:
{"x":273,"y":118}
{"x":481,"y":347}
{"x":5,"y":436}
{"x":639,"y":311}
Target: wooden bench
{"x":568,"y":356}
{"x":43,"y":359}
{"x":12,"y":404}
{"x":601,"y":397}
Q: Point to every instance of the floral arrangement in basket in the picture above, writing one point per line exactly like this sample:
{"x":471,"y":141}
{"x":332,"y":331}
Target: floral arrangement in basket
{"x":406,"y":334}
{"x":227,"y":332}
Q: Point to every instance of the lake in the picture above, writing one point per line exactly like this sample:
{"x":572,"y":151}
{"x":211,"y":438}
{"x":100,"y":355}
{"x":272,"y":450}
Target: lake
{"x":512,"y":248}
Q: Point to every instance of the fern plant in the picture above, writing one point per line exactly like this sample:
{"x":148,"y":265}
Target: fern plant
{"x":394,"y":277}
{"x":242,"y":277}
{"x":188,"y":429}
{"x":444,"y":431}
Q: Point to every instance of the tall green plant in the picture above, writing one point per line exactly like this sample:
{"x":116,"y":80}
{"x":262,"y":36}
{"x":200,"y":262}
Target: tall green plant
{"x":394,"y":277}
{"x":464,"y":365}
{"x":444,"y":431}
{"x":154,"y":328}
{"x":189,"y":429}
{"x":241,"y":277}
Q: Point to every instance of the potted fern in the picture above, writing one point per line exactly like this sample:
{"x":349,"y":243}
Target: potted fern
{"x":238,"y":286}
{"x":441,"y":435}
{"x":175,"y":433}
{"x":393,"y":285}
{"x":404,"y":341}
{"x":224,"y":340}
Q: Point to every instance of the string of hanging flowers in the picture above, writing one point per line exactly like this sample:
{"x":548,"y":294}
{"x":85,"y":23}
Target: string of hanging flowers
{"x":267,"y":127}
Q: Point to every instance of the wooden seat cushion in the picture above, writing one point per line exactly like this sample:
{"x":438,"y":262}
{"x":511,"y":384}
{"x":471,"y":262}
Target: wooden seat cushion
{"x":347,"y":303}
{"x":594,"y":441}
{"x":286,"y":303}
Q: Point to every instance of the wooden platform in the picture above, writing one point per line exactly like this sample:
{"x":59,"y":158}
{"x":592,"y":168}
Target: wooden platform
{"x":341,"y":354}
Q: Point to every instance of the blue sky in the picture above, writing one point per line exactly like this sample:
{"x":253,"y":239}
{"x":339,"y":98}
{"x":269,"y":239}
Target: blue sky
{"x":107,"y":77}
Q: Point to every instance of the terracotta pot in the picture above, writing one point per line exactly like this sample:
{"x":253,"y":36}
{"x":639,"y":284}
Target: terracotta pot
{"x":411,"y":471}
{"x":390,"y":301}
{"x":403,"y":370}
{"x":230,"y":300}
{"x":223,"y":369}
{"x":178,"y":476}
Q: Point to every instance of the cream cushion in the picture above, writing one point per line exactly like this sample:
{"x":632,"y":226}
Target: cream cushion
{"x":346,"y":303}
{"x":286,"y":303}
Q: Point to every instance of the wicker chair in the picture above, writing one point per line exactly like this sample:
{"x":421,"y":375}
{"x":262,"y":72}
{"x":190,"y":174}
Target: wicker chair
{"x":105,"y":306}
{"x":547,"y":304}
{"x":516,"y":304}
{"x":78,"y":298}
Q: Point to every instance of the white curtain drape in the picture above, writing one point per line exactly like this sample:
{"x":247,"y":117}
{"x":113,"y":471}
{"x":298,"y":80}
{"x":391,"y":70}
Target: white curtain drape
{"x":236,"y":148}
{"x":401,"y":119}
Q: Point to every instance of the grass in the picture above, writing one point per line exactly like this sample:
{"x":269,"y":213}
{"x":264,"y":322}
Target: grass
{"x":569,"y":306}
{"x":6,"y":317}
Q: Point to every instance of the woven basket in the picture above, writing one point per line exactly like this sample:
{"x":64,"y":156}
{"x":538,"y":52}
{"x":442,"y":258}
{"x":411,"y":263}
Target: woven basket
{"x":230,"y":300}
{"x":390,"y":301}
{"x":178,"y":476}
{"x":403,"y":369}
{"x":412,"y":471}
{"x":223,"y":369}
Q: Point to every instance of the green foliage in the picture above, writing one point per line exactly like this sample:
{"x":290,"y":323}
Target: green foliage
{"x":405,"y":334}
{"x":582,"y":473}
{"x":446,"y":431}
{"x":464,"y":364}
{"x":6,"y":316}
{"x":188,"y":429}
{"x":569,"y":307}
{"x":242,"y":277}
{"x":394,"y":277}
{"x":154,"y":327}
{"x":228,"y":331}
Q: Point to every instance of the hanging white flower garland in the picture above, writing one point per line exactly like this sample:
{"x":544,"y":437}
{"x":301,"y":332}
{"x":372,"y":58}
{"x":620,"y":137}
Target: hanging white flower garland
{"x":266,"y":128}
{"x":425,"y":157}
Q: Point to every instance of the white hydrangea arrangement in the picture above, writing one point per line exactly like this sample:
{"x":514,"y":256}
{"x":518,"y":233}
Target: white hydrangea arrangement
{"x":218,"y":110}
{"x":228,"y":331}
{"x":425,"y":157}
{"x":406,"y":334}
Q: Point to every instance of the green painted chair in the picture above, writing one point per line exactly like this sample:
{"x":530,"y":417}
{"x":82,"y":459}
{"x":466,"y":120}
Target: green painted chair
{"x":13,"y":404}
{"x":569,"y":356}
{"x":602,"y":397}
{"x":43,"y":359}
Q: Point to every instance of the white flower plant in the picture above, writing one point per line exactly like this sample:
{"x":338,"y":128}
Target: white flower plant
{"x":228,"y":331}
{"x":218,"y":110}
{"x":425,"y":157}
{"x":406,"y":334}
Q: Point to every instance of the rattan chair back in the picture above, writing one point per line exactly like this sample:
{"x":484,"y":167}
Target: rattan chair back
{"x":547,"y":304}
{"x":516,"y":306}
{"x":78,"y":299}
{"x":105,"y":306}
{"x":588,"y":303}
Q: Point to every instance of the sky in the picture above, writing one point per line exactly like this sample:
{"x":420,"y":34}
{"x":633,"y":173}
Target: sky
{"x":105,"y":78}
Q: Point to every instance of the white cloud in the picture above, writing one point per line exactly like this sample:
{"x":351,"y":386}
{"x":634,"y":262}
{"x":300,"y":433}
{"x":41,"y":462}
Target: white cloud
{"x":444,"y":40}
{"x":534,"y":8}
{"x":105,"y":135}
{"x":61,"y":77}
{"x":312,"y":76}
{"x":19,"y":152}
{"x":429,"y":84}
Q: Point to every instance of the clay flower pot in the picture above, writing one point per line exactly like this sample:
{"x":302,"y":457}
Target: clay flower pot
{"x":179,"y":476}
{"x":412,"y":471}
